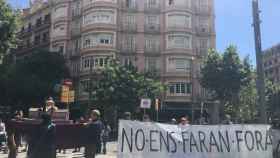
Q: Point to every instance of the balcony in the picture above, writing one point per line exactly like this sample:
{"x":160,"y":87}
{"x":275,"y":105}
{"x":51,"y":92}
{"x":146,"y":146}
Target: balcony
{"x":98,"y":26}
{"x":42,"y":26}
{"x":155,"y":50}
{"x":127,"y":50}
{"x":152,"y":8}
{"x":75,"y":32}
{"x":129,"y":27}
{"x":99,"y":4}
{"x":202,"y":52}
{"x":76,"y":13}
{"x":152,"y":28}
{"x":132,"y":7}
{"x":206,"y":10}
{"x":180,"y":28}
{"x":203,"y":30}
{"x":178,"y":8}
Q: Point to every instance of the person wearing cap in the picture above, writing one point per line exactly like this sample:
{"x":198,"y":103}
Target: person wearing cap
{"x":93,"y":136}
{"x":50,"y":106}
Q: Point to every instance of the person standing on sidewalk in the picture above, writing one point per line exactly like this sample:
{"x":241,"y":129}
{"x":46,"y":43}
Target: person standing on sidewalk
{"x":93,"y":134}
{"x":46,"y":147}
{"x":105,"y":136}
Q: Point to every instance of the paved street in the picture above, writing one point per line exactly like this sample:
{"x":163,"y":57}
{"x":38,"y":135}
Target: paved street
{"x":111,"y":147}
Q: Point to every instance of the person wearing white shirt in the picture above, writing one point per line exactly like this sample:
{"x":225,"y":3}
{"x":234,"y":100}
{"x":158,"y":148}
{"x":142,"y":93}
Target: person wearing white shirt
{"x":3,"y":134}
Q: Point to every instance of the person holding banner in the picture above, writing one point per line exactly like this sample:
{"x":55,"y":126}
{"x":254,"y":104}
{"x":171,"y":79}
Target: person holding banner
{"x":184,"y":122}
{"x":50,"y":106}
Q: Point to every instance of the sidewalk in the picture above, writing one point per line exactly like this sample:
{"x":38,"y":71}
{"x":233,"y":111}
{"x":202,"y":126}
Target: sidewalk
{"x":111,"y":147}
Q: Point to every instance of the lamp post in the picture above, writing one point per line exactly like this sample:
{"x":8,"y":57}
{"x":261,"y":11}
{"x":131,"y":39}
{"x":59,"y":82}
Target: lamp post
{"x":192,"y":86}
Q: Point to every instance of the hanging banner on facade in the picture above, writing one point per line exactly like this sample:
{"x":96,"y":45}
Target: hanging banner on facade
{"x":155,"y":140}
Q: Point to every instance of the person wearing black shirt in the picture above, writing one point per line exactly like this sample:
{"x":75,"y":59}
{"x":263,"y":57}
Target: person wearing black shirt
{"x":93,"y":129}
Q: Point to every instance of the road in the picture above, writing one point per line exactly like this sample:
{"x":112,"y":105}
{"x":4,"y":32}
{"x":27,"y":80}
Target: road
{"x":111,"y":147}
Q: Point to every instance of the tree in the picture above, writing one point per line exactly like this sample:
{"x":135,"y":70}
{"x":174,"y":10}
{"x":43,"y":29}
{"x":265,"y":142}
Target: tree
{"x":8,"y":25}
{"x":121,"y":88}
{"x":272,"y":98}
{"x":28,"y":82}
{"x":225,"y":75}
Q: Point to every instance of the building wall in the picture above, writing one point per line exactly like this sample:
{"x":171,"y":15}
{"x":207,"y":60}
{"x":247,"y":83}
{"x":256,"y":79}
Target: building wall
{"x":169,"y":36}
{"x":272,"y":63}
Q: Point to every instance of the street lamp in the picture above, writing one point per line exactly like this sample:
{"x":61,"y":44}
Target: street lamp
{"x":192,"y":86}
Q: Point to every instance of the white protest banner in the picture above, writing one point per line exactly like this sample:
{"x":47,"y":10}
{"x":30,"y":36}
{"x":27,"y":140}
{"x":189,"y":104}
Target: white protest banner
{"x":276,"y":142}
{"x":155,"y":140}
{"x":145,"y":103}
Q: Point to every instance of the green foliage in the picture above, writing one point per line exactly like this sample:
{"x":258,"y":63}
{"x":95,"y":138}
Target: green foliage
{"x":123,"y":87}
{"x":8,"y":25}
{"x":273,"y":98}
{"x":225,"y":75}
{"x":29,"y":81}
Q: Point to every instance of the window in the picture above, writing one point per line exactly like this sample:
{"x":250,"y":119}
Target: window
{"x":131,"y":3}
{"x":47,"y":18}
{"x":178,"y":3}
{"x":92,"y":40}
{"x":179,"y":65}
{"x":129,"y":21}
{"x":203,"y":24}
{"x":86,"y":62}
{"x":179,"y":20}
{"x":95,"y":62}
{"x":152,"y":20}
{"x":179,"y":41}
{"x":203,"y":4}
{"x":45,"y":36}
{"x":127,"y":61}
{"x":39,"y":22}
{"x":37,"y":39}
{"x":151,"y":4}
{"x":204,"y":43}
{"x":180,"y":88}
{"x":152,"y":43}
{"x":129,"y":42}
{"x":61,"y":49}
{"x":151,"y":64}
{"x":182,"y":65}
{"x":60,"y":11}
{"x":100,"y":16}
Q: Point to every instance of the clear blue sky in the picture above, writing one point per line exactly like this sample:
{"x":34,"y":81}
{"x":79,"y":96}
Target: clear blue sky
{"x":233,"y":24}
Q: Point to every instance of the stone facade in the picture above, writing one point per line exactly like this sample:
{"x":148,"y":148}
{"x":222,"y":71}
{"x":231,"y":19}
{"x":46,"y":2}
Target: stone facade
{"x":170,"y":37}
{"x":271,"y":61}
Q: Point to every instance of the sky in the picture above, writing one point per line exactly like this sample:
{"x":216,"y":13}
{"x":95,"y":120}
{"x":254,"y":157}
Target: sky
{"x":234,"y":24}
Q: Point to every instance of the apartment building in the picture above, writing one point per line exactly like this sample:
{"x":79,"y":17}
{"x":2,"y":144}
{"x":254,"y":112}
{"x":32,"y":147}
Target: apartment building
{"x":35,"y":30}
{"x":271,"y":61}
{"x":170,"y":37}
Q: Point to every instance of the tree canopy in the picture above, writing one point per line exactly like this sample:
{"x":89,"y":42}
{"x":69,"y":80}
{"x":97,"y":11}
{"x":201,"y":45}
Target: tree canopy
{"x":8,"y":26}
{"x":122,"y":87}
{"x":30,"y":81}
{"x":225,"y":75}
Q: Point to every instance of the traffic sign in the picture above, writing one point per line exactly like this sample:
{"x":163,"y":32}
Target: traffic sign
{"x":145,"y":103}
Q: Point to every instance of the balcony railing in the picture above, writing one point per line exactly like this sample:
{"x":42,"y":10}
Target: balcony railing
{"x":129,"y":27}
{"x":75,"y":31}
{"x":130,"y":7}
{"x":127,"y":50}
{"x":152,"y":7}
{"x":152,"y":28}
{"x":154,"y":50}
